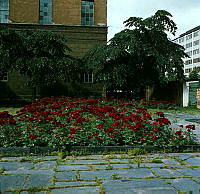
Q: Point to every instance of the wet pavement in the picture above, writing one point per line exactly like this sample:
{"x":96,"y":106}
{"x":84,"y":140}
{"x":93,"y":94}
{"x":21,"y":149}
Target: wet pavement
{"x":116,"y":173}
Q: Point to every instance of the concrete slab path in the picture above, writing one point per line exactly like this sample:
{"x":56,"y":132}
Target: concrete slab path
{"x":117,"y":173}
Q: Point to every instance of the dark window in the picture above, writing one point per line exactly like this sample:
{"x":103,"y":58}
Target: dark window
{"x":87,"y":13}
{"x":45,"y":11}
{"x":4,"y":11}
{"x":4,"y":76}
{"x":87,"y":77}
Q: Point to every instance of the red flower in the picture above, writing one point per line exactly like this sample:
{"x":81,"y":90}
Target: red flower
{"x":97,"y":138}
{"x":89,"y":137}
{"x":100,"y":126}
{"x":73,"y":131}
{"x":71,"y":137}
{"x":12,"y":121}
{"x":179,"y":132}
{"x":112,"y":136}
{"x":154,"y":137}
{"x":110,"y":129}
{"x":190,"y":127}
{"x":32,"y":136}
{"x":141,"y":139}
{"x":155,"y":128}
{"x":145,"y":134}
{"x":161,"y":114}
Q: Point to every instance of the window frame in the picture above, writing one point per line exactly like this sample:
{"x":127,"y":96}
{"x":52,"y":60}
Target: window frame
{"x":4,"y":10}
{"x":45,"y":11}
{"x":4,"y":77}
{"x":87,"y":13}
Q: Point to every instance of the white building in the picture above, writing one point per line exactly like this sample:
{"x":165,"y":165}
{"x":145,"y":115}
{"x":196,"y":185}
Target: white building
{"x":191,"y":42}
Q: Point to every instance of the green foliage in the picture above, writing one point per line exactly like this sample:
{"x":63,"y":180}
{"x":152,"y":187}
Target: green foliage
{"x":140,"y":55}
{"x":193,"y":75}
{"x":135,"y":152}
{"x":42,"y":56}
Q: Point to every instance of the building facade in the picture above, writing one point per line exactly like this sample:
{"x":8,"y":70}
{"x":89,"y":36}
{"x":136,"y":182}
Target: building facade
{"x":190,"y":40}
{"x":84,"y":22}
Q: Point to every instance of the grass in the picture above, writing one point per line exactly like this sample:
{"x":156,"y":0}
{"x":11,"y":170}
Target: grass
{"x":190,"y":110}
{"x":11,"y":110}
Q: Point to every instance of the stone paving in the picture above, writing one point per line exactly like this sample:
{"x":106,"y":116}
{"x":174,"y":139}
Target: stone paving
{"x":184,"y":119}
{"x":116,"y":173}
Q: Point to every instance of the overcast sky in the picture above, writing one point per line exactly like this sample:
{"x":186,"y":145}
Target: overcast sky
{"x":186,"y":13}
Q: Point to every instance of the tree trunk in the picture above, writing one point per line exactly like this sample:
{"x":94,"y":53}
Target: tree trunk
{"x":34,"y":93}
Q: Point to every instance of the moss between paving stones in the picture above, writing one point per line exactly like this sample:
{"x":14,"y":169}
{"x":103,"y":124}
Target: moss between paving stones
{"x":90,"y":150}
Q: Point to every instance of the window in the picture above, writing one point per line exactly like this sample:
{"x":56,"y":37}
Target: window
{"x":188,"y":70}
{"x":188,"y":62}
{"x":196,"y":60}
{"x":196,"y":33}
{"x":87,"y":13}
{"x":45,"y":11}
{"x":188,"y":36}
{"x":189,"y":53}
{"x":4,"y":76}
{"x":196,"y":51}
{"x":4,"y":11}
{"x":189,"y":45}
{"x":181,"y":39}
{"x":196,"y":42}
{"x":87,"y":77}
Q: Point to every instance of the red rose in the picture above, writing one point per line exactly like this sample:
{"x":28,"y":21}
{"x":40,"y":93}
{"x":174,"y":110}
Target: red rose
{"x":32,"y":136}
{"x":154,"y":137}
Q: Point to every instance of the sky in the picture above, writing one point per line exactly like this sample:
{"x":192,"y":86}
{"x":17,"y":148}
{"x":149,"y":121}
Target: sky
{"x":186,"y":13}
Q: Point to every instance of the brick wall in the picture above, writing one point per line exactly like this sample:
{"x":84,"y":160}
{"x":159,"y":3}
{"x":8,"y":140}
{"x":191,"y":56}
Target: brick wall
{"x":24,"y":11}
{"x":67,"y":12}
{"x":100,"y":17}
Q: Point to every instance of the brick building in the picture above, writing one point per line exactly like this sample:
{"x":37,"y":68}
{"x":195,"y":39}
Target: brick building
{"x":83,"y":21}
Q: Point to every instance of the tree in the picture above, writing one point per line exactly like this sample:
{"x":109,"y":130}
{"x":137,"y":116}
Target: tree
{"x":140,"y":55}
{"x":42,"y":56}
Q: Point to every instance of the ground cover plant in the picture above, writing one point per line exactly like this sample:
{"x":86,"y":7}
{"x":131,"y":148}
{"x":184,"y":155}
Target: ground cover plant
{"x":63,"y":122}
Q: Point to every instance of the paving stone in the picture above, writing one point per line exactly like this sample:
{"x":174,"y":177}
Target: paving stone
{"x":194,"y":161}
{"x":90,"y":157}
{"x":120,"y":160}
{"x":11,"y":182}
{"x":66,"y":176}
{"x":166,"y":172}
{"x":39,"y":180}
{"x":185,"y":184}
{"x":33,"y":192}
{"x":15,"y":165}
{"x":74,"y":183}
{"x":84,"y":161}
{"x":137,"y":186}
{"x":123,"y":173}
{"x":46,"y":165}
{"x":151,"y":164}
{"x":190,"y":172}
{"x":184,"y":156}
{"x":72,"y":167}
{"x":75,"y":190}
{"x":45,"y":157}
{"x":11,"y":158}
{"x":170,"y":161}
{"x":32,"y":172}
{"x":114,"y":166}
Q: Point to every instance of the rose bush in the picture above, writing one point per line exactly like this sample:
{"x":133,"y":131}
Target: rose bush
{"x":62,"y":122}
